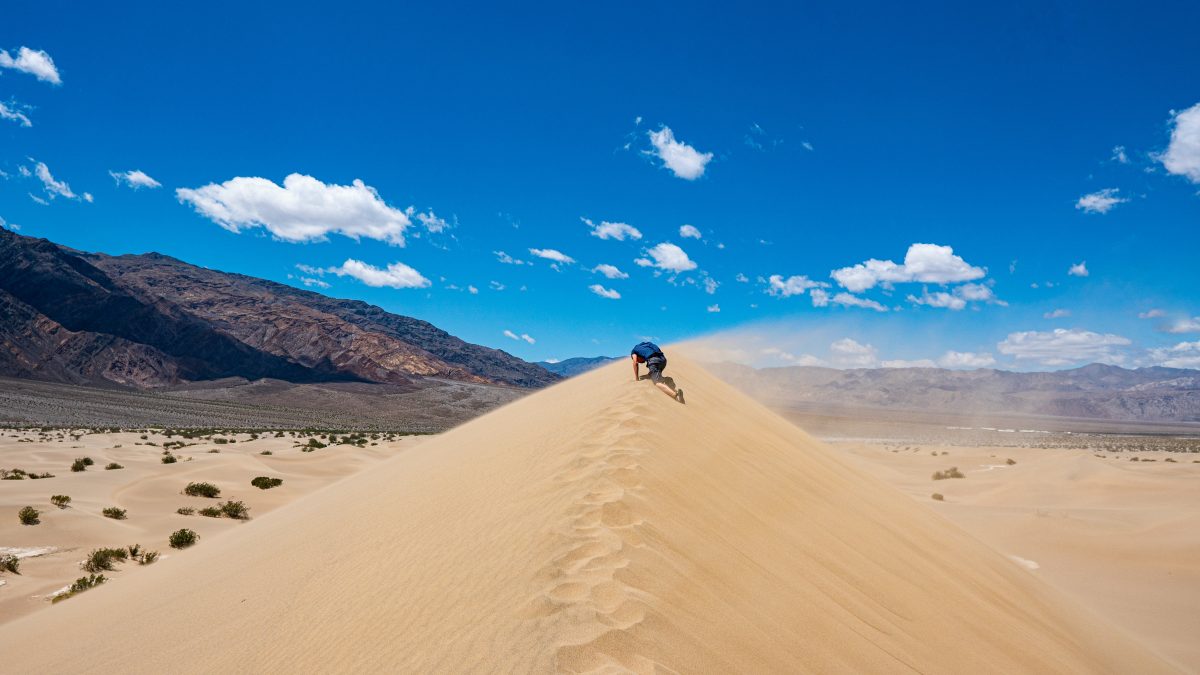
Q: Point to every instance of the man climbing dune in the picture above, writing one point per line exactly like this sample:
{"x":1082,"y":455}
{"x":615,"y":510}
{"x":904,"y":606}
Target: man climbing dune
{"x":656,"y":362}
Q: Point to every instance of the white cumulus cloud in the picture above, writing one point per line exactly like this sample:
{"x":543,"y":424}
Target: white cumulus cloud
{"x":713,"y":309}
{"x":302,"y":209}
{"x":667,"y":256}
{"x":432,"y":222}
{"x":793,"y":285}
{"x":849,"y":353}
{"x":135,"y":179}
{"x":682,"y":159}
{"x":1182,"y":355}
{"x":558,"y":257}
{"x":1101,"y":201}
{"x":925,"y":263}
{"x":689,"y":232}
{"x":603,"y":292}
{"x":1063,"y":346}
{"x":33,"y":61}
{"x":1078,"y":269}
{"x":610,"y":271}
{"x":1191,"y":325}
{"x":618,"y":231}
{"x":1182,"y":156}
{"x":396,"y":275}
{"x":953,"y":359}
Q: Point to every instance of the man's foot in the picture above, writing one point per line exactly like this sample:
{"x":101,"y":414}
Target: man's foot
{"x":679,"y":395}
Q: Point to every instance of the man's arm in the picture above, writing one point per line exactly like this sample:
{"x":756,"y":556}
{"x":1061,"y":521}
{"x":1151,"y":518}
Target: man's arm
{"x":633,"y":357}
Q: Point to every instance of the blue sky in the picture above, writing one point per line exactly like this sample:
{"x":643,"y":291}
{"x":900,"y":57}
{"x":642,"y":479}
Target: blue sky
{"x":981,"y":153}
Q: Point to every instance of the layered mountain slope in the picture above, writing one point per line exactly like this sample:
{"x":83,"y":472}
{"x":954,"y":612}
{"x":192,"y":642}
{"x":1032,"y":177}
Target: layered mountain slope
{"x":593,"y":527}
{"x":151,"y":320}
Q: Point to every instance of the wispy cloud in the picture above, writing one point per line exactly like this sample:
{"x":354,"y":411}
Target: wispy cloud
{"x":8,"y":112}
{"x":1064,"y":346}
{"x":508,"y":259}
{"x":135,"y":179}
{"x":1101,"y":201}
{"x":610,"y":271}
{"x":603,"y":292}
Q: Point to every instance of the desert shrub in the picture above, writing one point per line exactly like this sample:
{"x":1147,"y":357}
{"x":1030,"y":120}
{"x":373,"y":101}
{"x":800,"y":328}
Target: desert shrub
{"x":60,"y":501}
{"x":36,"y":476}
{"x":1010,"y":461}
{"x":202,"y":490}
{"x":81,"y":584}
{"x":265,"y":483}
{"x":29,"y":516}
{"x":952,"y":472}
{"x":169,"y":459}
{"x":937,"y":497}
{"x":237,"y":510}
{"x":10,"y":563}
{"x":12,"y":474}
{"x":313,"y":444}
{"x":220,"y":441}
{"x":134,"y":550}
{"x":212,"y":511}
{"x":1170,"y":459}
{"x":147,"y":558}
{"x":182,"y":538}
{"x":103,"y":559}
{"x":112,"y":466}
{"x":143,"y":437}
{"x":266,"y":452}
{"x":114,"y":513}
{"x":79,"y":465}
{"x":88,"y":461}
{"x":185,"y":511}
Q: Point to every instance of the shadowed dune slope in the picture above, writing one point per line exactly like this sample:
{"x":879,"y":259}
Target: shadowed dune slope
{"x":593,"y":526}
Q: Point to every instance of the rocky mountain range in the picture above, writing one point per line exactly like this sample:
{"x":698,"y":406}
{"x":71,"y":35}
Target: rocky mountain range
{"x":1095,"y":391}
{"x":576,"y":365}
{"x":153,"y":321}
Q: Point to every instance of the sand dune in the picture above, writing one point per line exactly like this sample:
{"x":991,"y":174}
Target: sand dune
{"x":594,"y":526}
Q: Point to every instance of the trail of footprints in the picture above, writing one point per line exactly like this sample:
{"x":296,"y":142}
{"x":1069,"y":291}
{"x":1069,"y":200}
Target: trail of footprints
{"x":582,"y":584}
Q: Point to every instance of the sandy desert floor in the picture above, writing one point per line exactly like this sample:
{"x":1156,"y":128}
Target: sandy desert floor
{"x":149,"y":491}
{"x":595,"y":526}
{"x":1117,"y":531}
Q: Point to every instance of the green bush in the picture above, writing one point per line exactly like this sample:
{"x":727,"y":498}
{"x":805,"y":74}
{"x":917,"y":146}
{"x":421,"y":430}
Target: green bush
{"x":220,"y":441}
{"x":182,"y":538}
{"x":134,"y":550}
{"x":212,"y":511}
{"x":10,"y":563}
{"x":169,"y":459}
{"x":266,"y":452}
{"x":265,"y":483}
{"x":185,"y":511}
{"x":88,"y":461}
{"x":81,"y":584}
{"x":236,"y":510}
{"x":114,"y":513}
{"x":60,"y":501}
{"x":952,"y":472}
{"x":103,"y":559}
{"x":36,"y":476}
{"x":29,"y":516}
{"x":79,"y":465}
{"x":202,"y":490}
{"x":313,"y":444}
{"x":147,"y":558}
{"x":113,"y":465}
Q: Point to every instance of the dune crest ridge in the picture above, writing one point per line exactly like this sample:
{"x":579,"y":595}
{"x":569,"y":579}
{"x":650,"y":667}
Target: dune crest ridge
{"x":595,"y":526}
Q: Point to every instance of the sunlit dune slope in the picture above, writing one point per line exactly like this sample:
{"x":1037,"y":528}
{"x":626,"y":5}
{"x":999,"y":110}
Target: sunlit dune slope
{"x":596,"y":525}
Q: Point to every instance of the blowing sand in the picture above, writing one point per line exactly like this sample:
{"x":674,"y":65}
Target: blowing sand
{"x":1120,"y":536}
{"x":596,"y":526}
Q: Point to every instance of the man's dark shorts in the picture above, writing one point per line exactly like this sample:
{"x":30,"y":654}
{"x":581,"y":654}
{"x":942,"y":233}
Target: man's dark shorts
{"x":656,"y":365}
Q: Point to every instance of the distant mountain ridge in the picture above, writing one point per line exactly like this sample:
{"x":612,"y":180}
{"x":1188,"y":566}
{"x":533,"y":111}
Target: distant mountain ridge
{"x":151,"y":320}
{"x":576,"y":365}
{"x":1096,"y":390}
